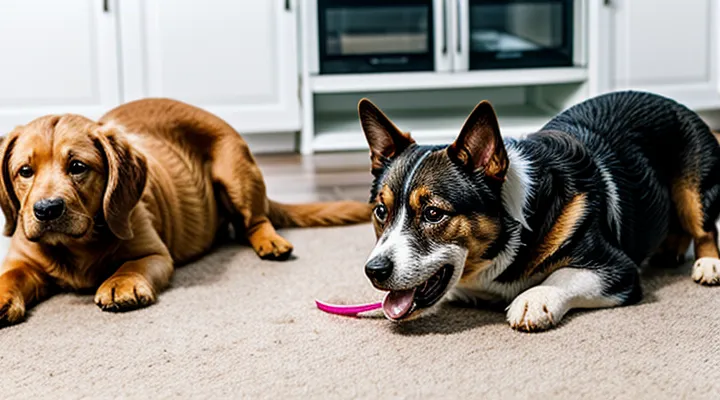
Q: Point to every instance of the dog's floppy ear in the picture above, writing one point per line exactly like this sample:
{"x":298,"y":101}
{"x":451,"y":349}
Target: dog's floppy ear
{"x":479,"y":145}
{"x":126,"y":178}
{"x":384,"y":138}
{"x":8,"y":200}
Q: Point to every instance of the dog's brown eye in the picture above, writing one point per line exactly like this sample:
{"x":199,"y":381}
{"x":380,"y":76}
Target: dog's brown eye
{"x":26,"y":171}
{"x":433,"y":215}
{"x":77,"y":168}
{"x":381,"y":212}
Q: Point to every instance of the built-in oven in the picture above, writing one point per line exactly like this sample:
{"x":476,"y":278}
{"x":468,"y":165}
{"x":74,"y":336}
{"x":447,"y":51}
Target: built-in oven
{"x":367,"y":36}
{"x":519,"y":33}
{"x":356,"y":36}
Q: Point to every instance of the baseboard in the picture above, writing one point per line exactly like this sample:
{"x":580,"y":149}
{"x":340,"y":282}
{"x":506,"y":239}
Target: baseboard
{"x":269,"y":143}
{"x":712,"y":118}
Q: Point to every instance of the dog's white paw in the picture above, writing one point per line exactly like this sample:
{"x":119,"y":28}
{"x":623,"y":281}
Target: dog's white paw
{"x":706,"y":271}
{"x":537,"y":309}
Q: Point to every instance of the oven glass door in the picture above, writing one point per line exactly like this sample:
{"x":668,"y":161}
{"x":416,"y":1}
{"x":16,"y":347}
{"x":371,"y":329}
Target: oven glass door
{"x":360,"y":36}
{"x":520,"y":33}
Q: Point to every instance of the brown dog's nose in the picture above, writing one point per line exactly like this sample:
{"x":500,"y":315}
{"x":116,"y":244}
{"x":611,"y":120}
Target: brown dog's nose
{"x":49,"y":209}
{"x":379,"y":269}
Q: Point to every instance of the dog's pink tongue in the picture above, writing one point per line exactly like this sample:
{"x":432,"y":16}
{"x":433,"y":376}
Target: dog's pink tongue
{"x":397,"y":304}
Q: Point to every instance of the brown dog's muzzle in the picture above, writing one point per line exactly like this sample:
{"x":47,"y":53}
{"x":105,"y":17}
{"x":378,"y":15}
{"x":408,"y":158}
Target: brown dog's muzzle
{"x":47,"y":210}
{"x":53,"y":216}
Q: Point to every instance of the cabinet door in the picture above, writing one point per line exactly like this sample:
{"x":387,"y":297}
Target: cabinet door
{"x":237,"y":59}
{"x":665,"y":46}
{"x":57,"y":57}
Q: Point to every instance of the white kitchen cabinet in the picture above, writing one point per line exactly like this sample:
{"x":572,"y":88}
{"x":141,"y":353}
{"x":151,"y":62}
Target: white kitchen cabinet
{"x":664,"y":46}
{"x":56,"y":57}
{"x":237,"y":59}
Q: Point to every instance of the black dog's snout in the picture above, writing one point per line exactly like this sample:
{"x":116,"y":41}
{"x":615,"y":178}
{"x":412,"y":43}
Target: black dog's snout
{"x":379,"y":269}
{"x":49,"y":209}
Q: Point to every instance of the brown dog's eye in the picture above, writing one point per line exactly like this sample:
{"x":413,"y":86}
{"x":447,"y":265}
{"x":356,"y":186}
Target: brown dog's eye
{"x":77,"y":168}
{"x":26,"y":171}
{"x":433,"y":215}
{"x":381,"y":212}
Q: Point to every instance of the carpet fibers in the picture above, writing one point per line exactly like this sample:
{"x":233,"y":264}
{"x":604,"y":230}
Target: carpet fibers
{"x":235,"y":326}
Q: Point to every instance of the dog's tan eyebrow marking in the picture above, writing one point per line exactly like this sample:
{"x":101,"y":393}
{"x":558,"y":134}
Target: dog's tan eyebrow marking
{"x":563,"y":228}
{"x":417,"y":197}
{"x":387,"y":197}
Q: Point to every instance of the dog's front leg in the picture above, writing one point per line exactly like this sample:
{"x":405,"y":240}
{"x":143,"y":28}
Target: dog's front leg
{"x":135,"y":284}
{"x":543,"y":306}
{"x":20,"y":286}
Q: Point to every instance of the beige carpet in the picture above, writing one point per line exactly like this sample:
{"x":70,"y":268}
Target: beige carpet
{"x":234,"y":326}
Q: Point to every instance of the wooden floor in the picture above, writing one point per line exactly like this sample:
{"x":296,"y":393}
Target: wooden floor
{"x":321,"y":177}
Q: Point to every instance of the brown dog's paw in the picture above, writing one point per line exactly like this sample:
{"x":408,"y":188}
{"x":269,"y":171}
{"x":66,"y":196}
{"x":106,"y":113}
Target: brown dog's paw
{"x":125,"y":293}
{"x":12,"y":309}
{"x":706,"y":271}
{"x":272,"y":248}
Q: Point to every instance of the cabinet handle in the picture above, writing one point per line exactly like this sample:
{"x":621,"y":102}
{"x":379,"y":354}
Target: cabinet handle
{"x":607,"y":2}
{"x":106,"y":5}
{"x":445,"y":28}
{"x":287,"y":5}
{"x":459,"y":27}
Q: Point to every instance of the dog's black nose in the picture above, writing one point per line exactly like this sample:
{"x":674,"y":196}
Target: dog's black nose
{"x":379,"y":269}
{"x":49,"y":209}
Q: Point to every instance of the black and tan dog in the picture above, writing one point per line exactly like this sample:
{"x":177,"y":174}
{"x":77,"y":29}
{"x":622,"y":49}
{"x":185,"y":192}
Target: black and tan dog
{"x":557,"y":221}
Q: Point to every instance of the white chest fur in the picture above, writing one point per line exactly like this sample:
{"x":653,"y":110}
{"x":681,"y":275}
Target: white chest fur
{"x":516,"y":191}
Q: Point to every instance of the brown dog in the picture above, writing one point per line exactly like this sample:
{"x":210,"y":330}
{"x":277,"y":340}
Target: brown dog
{"x":117,"y":203}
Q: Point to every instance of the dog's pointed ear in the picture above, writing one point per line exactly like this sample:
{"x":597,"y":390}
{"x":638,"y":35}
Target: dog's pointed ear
{"x":479,"y":145}
{"x":383,"y":137}
{"x":126,"y":179}
{"x":8,"y":200}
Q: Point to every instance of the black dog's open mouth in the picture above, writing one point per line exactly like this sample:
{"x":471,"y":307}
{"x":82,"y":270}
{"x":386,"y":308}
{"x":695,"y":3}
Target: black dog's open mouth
{"x":399,"y":304}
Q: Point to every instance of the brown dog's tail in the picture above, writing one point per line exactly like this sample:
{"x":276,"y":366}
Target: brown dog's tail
{"x":318,"y":214}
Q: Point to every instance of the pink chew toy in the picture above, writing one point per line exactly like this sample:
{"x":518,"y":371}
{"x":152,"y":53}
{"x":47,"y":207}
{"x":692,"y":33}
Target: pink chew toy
{"x":350,"y":310}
